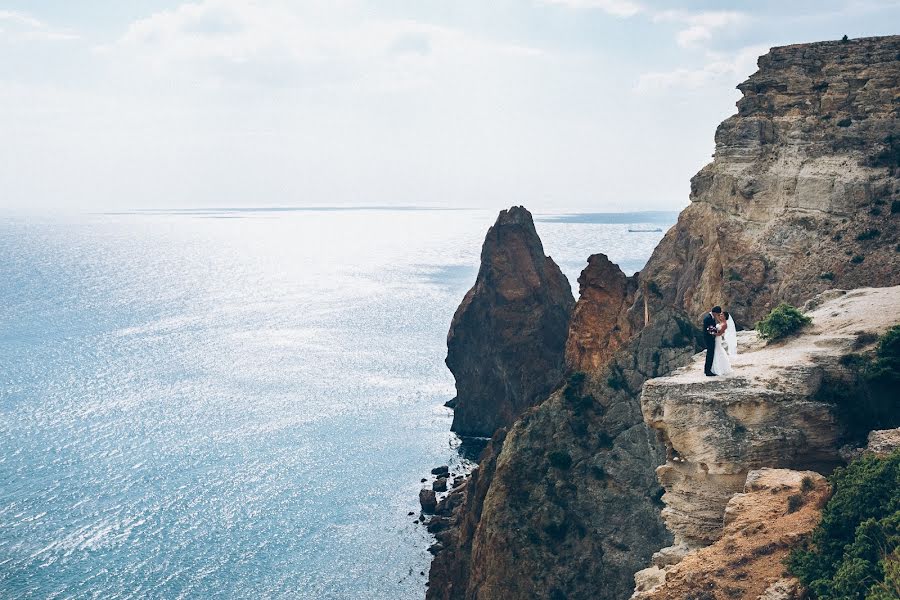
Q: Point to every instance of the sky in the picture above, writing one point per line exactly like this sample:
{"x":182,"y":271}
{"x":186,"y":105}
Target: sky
{"x":601,"y":105}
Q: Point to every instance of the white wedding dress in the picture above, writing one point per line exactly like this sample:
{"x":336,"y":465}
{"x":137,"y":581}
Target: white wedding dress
{"x":721,"y":365}
{"x":730,"y":338}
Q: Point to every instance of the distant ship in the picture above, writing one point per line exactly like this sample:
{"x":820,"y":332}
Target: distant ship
{"x":657,"y":230}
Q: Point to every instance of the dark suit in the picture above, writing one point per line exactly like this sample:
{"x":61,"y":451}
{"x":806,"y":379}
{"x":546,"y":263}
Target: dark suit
{"x":709,"y":321}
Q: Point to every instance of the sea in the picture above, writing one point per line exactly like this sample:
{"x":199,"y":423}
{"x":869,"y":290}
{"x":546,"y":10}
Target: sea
{"x":239,"y":403}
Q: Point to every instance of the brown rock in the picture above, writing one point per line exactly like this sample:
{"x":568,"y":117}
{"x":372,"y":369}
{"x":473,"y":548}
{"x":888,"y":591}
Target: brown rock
{"x":507,"y":340}
{"x":428,"y":500}
{"x":803,"y":174}
{"x":440,"y":484}
{"x":605,"y":294}
{"x":792,"y":186}
{"x":765,"y":414}
{"x":759,"y":533}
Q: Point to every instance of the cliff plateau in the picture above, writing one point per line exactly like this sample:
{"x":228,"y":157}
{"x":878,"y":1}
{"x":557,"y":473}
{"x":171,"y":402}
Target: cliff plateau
{"x":765,"y":414}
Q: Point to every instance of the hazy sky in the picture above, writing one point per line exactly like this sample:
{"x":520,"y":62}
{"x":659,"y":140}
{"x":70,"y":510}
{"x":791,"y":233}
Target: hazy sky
{"x":557,"y":104}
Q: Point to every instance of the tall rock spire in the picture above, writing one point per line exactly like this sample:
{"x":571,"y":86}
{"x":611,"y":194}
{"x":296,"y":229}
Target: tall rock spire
{"x":506,"y":343}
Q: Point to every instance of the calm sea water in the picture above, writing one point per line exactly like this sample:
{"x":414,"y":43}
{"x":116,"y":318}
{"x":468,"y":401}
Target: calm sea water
{"x":235,"y":404}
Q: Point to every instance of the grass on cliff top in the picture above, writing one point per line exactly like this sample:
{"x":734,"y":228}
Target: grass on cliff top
{"x":854,"y":552}
{"x":783,"y":321}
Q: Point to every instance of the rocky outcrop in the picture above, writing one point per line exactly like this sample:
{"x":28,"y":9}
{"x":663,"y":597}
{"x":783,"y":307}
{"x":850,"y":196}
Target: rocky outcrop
{"x":798,"y":199}
{"x":766,"y":414}
{"x":804,"y":191}
{"x":605,"y":293}
{"x":775,"y":511}
{"x":566,"y":503}
{"x":507,"y":340}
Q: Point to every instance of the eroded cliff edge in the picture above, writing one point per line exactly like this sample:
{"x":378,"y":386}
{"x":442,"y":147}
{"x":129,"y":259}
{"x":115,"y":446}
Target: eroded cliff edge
{"x":800,"y":198}
{"x":769,"y":414}
{"x":803,"y":192}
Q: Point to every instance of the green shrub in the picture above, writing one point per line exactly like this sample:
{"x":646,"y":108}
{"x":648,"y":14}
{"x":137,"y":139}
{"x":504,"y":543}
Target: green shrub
{"x":782,"y":321}
{"x":852,"y":553}
{"x":577,"y":378}
{"x":895,"y":207}
{"x":807,"y":485}
{"x":616,"y":379}
{"x":845,"y":122}
{"x":795,"y":501}
{"x":556,"y":531}
{"x":873,"y":403}
{"x":828,"y":275}
{"x":654,"y":289}
{"x":604,"y":440}
{"x":857,"y":259}
{"x":734,"y":275}
{"x":560,"y":459}
{"x":868,"y":234}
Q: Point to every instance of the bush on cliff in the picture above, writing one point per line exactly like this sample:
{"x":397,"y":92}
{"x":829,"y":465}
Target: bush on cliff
{"x":854,"y":551}
{"x":781,"y":322}
{"x":874,"y":402}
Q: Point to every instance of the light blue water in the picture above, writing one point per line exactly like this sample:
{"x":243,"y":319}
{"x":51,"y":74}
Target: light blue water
{"x":234,"y":404}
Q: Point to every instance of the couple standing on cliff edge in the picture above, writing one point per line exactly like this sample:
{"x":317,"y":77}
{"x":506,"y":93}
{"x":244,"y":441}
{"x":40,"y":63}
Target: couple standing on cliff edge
{"x":718,"y":326}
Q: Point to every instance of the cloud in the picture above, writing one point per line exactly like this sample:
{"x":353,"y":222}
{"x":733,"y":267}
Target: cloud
{"x":617,"y":8}
{"x":700,"y":27}
{"x":22,"y":27}
{"x":230,"y":41}
{"x":721,"y":69}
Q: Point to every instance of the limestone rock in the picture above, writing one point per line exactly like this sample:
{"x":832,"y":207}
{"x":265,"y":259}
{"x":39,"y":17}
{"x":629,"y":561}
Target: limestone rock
{"x":604,"y":295}
{"x":800,"y":188}
{"x":786,"y":588}
{"x":883,"y":441}
{"x":792,"y":186}
{"x":747,"y":562}
{"x":765,"y":414}
{"x":507,"y":339}
{"x":531,"y":529}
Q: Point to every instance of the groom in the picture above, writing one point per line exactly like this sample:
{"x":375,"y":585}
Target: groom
{"x":709,"y":324}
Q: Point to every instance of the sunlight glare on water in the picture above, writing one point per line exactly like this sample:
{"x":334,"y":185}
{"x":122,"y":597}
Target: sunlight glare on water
{"x":236,"y":404}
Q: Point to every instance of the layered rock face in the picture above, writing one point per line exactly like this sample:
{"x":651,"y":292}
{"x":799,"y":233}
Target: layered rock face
{"x":566,"y":503}
{"x":761,"y":526}
{"x":766,"y":414}
{"x":604,"y":295}
{"x":803,"y":193}
{"x":792,"y":186}
{"x":507,"y":340}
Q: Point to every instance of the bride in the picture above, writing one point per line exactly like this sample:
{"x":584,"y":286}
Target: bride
{"x":721,"y":364}
{"x":730,"y":335}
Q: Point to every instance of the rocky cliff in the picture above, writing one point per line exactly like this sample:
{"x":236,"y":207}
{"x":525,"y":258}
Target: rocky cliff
{"x":761,"y":526}
{"x":804,"y":191}
{"x":605,"y":293}
{"x":506,"y":343}
{"x":802,"y":196}
{"x":767,"y":413}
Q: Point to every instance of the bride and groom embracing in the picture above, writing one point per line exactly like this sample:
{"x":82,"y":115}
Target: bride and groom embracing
{"x":718,"y":327}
